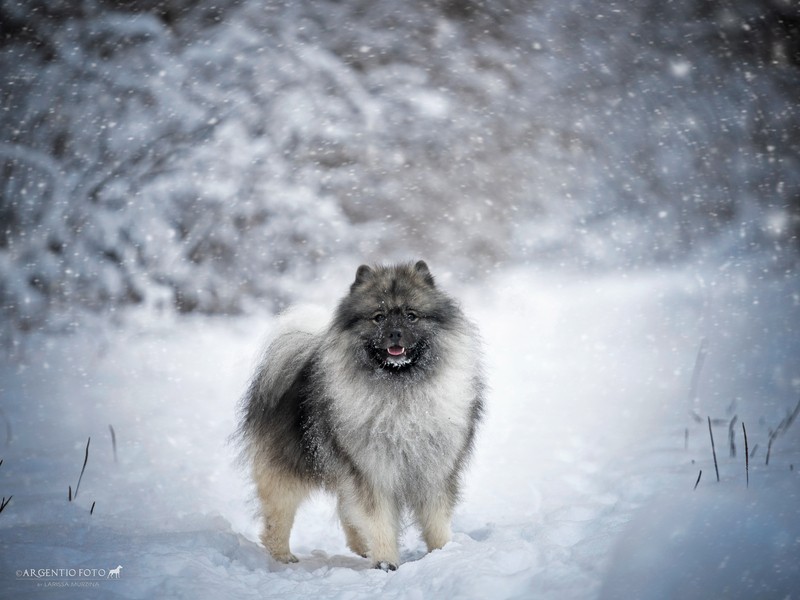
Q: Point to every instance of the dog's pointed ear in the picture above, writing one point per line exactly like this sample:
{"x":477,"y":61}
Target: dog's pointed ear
{"x":363,"y":273}
{"x":421,"y":267}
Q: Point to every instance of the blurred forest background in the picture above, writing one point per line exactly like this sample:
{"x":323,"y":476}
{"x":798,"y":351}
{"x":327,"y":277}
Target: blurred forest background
{"x":205,"y":155}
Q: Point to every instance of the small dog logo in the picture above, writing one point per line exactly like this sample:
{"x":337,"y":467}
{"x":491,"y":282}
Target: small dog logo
{"x":114,"y":573}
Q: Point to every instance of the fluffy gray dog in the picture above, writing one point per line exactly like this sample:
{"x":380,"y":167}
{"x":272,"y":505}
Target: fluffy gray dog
{"x":380,"y":409}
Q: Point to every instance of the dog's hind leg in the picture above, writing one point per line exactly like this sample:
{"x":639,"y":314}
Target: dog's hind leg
{"x":434,"y":516}
{"x":280,"y":497}
{"x":374,"y":519}
{"x":355,"y":541}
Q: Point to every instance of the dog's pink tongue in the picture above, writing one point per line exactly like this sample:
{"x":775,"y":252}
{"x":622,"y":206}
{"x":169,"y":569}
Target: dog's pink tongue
{"x":396,"y":350}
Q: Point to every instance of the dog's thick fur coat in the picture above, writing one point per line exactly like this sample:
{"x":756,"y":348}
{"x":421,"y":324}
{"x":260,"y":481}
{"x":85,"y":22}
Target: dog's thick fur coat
{"x":380,"y":408}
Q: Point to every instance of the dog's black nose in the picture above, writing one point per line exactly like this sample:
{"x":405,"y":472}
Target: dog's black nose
{"x":395,"y":335}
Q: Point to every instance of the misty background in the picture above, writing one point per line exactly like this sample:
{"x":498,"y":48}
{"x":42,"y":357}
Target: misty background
{"x":209,"y":156}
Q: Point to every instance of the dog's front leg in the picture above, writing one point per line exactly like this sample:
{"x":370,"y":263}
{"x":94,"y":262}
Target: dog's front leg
{"x":382,"y":526}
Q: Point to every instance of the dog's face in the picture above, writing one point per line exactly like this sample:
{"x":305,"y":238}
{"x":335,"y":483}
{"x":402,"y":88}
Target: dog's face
{"x":395,"y":339}
{"x":393,"y":316}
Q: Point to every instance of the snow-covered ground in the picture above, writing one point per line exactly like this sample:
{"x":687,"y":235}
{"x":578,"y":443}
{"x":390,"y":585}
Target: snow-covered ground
{"x":581,"y":486}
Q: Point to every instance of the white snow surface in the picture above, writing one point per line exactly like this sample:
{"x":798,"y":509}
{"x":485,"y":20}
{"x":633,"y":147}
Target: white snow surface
{"x":581,"y":485}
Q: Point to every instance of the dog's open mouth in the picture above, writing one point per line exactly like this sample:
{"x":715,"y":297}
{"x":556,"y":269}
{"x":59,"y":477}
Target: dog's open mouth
{"x":396,"y":357}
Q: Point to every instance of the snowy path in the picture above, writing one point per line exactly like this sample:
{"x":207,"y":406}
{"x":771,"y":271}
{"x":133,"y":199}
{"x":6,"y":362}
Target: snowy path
{"x":587,"y":416}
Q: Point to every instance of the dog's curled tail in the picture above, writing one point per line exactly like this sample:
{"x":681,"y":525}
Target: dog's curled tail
{"x":296,"y":336}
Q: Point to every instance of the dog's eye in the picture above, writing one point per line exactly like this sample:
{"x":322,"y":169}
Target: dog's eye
{"x":412,"y":317}
{"x":378,"y":317}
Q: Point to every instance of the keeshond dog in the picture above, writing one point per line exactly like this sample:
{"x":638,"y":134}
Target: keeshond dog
{"x":380,"y":408}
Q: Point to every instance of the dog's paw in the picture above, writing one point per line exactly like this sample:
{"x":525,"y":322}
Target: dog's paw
{"x":286,"y":558}
{"x":358,"y":549}
{"x":386,"y":566}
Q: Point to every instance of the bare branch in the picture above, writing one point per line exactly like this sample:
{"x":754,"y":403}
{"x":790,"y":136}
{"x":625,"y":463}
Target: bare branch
{"x":782,"y":427}
{"x":713,"y":449}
